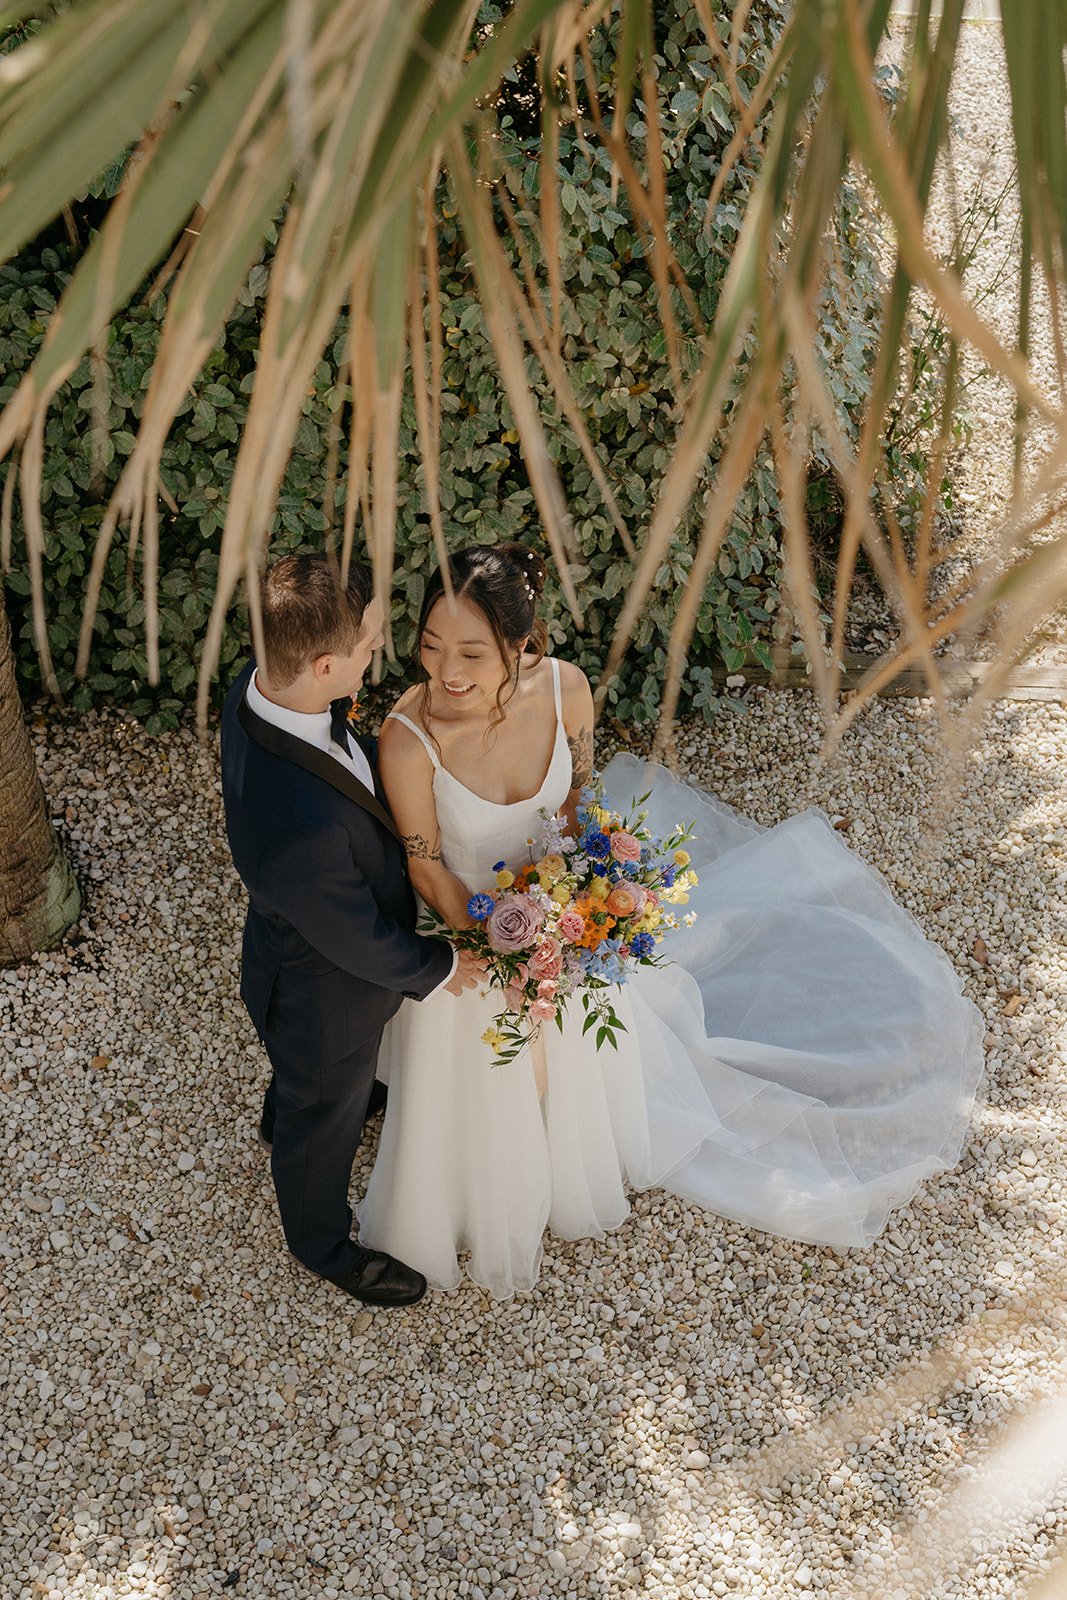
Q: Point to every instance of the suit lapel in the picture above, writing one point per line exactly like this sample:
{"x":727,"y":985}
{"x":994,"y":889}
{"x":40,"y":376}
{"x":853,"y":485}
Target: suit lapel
{"x":288,"y":748}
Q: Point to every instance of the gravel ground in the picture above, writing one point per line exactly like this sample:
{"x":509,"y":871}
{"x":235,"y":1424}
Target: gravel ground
{"x":687,"y":1408}
{"x":976,"y":181}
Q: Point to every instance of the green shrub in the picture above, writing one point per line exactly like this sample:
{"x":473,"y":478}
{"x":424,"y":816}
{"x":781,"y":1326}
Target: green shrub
{"x":621,"y":378}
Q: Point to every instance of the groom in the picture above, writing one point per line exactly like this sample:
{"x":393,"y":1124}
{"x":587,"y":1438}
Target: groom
{"x":330,"y":949}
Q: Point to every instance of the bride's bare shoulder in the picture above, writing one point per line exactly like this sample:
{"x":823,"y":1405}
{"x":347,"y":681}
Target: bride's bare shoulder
{"x":572,"y":680}
{"x":576,"y":695}
{"x":395,"y":736}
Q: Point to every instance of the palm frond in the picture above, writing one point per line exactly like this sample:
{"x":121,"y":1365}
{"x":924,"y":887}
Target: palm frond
{"x":331,"y":121}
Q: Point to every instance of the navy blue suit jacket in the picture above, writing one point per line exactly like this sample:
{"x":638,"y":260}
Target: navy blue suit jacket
{"x":330,"y":948}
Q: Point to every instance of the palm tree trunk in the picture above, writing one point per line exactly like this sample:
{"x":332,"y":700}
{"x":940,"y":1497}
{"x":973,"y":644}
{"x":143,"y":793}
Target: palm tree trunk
{"x":39,"y":895}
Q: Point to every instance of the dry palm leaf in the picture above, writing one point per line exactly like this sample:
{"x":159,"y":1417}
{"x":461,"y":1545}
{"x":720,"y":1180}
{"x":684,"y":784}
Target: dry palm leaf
{"x":336,"y":114}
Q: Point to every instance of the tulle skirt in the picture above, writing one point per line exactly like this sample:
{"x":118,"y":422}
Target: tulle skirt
{"x":801,"y":1064}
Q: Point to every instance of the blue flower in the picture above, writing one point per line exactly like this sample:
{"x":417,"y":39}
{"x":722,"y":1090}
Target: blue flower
{"x":596,"y":843}
{"x":479,"y":906}
{"x":599,"y":868}
{"x":667,"y":877}
{"x":498,"y":866}
{"x":641,"y":945}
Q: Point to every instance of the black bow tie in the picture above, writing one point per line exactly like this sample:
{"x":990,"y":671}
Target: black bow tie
{"x":339,"y":729}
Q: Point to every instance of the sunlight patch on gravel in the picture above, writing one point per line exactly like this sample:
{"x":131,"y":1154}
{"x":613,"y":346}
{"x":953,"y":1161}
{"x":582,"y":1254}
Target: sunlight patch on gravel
{"x":686,"y":1408}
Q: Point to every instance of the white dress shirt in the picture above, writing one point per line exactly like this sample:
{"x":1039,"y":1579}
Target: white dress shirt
{"x":314,"y":728}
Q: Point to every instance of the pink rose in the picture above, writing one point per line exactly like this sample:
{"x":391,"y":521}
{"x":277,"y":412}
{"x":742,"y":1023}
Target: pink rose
{"x":546,"y":989}
{"x":514,"y":924}
{"x":624,"y":847}
{"x":547,"y":959}
{"x":572,"y":925}
{"x":543,"y":1010}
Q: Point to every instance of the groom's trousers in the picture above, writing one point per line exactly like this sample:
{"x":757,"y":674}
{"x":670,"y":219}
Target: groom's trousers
{"x":318,"y":1121}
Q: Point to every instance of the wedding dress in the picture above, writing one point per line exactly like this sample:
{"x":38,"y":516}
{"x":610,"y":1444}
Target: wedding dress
{"x":801,"y":1064}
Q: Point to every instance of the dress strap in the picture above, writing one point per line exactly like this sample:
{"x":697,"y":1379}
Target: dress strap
{"x":398,"y":716}
{"x":554,"y":664}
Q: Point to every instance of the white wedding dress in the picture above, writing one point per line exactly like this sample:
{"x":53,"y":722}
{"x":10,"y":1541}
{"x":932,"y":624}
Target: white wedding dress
{"x":801,"y":1064}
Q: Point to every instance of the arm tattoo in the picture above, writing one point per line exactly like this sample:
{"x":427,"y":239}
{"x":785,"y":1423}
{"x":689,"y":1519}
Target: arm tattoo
{"x":420,"y":849}
{"x":581,"y":748}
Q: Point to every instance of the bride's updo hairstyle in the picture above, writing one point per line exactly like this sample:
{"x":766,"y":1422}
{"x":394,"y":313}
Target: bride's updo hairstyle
{"x":504,"y":582}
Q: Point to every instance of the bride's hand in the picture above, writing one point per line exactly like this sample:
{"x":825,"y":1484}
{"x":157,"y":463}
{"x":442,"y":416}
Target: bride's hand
{"x":470,"y":970}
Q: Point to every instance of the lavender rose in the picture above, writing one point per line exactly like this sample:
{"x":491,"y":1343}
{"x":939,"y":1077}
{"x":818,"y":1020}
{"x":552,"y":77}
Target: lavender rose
{"x":514,"y":924}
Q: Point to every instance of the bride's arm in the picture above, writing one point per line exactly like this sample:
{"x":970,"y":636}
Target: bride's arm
{"x":578,"y":726}
{"x":407,"y":775}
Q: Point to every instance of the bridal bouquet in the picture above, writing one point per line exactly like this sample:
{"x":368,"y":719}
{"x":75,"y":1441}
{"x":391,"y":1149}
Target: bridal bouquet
{"x":575,"y":919}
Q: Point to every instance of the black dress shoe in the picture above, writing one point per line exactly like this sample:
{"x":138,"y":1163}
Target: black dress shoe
{"x":381,"y":1280}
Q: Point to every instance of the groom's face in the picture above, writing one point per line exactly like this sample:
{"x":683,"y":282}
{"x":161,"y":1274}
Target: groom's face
{"x":347,"y":671}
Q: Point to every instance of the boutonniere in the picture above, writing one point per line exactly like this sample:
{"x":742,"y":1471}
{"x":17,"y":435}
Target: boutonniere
{"x":354,"y":714}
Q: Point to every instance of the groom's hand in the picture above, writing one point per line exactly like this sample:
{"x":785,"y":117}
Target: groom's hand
{"x":470,"y":969}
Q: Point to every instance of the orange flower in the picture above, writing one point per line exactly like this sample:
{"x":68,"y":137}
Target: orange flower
{"x":597,"y":928}
{"x":623,"y":901}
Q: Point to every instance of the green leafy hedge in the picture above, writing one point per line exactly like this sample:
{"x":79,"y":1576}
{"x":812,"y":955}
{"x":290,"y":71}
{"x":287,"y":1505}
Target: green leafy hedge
{"x":622,"y":382}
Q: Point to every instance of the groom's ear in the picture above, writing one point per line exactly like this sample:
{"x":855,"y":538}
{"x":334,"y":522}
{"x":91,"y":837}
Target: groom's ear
{"x":322,"y":667}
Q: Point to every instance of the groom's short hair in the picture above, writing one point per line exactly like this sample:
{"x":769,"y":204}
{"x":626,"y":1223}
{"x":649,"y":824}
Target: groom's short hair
{"x":308,"y":613}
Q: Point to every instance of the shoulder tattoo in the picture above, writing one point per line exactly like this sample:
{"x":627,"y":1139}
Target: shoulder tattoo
{"x":421,"y":849}
{"x":581,"y":748}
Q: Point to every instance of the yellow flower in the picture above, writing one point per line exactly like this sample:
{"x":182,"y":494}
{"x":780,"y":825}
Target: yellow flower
{"x":691,"y":880}
{"x":599,"y":889}
{"x":551,"y":867}
{"x":681,"y":858}
{"x":494,"y":1039}
{"x":604,"y":818}
{"x":505,"y":879}
{"x":561,"y":894}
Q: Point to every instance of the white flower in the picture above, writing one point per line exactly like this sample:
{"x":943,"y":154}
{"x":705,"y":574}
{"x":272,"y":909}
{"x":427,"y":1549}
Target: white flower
{"x":553,"y":840}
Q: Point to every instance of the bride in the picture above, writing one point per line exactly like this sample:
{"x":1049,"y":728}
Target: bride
{"x":801,"y":1064}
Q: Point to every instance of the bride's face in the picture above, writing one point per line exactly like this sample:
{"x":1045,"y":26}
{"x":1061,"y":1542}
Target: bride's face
{"x":460,"y":655}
